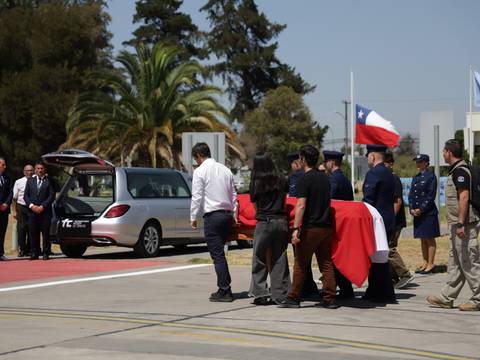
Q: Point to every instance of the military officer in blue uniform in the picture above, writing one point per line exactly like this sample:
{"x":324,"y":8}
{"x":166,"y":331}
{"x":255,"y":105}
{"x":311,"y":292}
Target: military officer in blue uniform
{"x":378,"y":191}
{"x":297,"y":172}
{"x":340,"y":189}
{"x":422,"y":206}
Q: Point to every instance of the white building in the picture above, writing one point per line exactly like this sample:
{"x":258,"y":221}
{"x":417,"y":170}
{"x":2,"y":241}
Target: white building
{"x":472,"y":143}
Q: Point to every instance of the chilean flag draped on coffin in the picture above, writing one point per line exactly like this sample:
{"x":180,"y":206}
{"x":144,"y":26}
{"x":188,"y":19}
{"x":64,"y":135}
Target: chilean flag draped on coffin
{"x":359,"y":238}
{"x":372,"y":129}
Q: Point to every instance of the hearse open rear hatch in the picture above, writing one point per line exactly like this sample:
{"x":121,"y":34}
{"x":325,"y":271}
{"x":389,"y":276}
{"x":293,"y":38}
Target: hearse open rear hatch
{"x":76,"y":158}
{"x":86,"y":194}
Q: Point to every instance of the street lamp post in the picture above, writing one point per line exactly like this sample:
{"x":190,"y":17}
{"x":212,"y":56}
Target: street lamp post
{"x":345,"y":117}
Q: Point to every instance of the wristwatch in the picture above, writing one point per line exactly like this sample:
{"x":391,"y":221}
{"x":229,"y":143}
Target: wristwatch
{"x":459,"y":224}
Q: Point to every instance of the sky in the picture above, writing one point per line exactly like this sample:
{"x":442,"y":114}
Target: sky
{"x":406,"y":56}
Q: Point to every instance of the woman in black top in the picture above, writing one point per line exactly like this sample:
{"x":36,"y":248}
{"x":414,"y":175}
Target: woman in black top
{"x":268,"y":191}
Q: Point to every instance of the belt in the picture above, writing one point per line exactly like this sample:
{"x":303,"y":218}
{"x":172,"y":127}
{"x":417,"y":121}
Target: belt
{"x":272,"y":217}
{"x":218,"y":212}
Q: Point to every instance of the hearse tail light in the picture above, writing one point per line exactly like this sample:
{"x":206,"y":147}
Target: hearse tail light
{"x":117,"y":211}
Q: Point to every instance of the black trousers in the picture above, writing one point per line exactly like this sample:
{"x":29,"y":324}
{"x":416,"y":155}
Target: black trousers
{"x":345,"y":286}
{"x":217,"y":227}
{"x":380,"y":285}
{"x":3,"y":230}
{"x":22,"y":229}
{"x":39,"y":224}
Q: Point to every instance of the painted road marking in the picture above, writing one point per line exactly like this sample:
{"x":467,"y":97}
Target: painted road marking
{"x":103,"y":277}
{"x":245,"y":331}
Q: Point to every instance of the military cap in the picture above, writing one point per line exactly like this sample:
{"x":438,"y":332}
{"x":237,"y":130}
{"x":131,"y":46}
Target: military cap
{"x":422,"y":157}
{"x":376,"y":148}
{"x":332,"y":155}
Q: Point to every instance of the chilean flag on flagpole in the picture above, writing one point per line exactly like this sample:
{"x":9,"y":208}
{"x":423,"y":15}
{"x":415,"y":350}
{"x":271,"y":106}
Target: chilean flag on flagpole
{"x":372,"y":129}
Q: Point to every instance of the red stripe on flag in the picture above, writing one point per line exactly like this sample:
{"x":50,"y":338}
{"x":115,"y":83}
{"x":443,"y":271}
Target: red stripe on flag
{"x":374,"y":135}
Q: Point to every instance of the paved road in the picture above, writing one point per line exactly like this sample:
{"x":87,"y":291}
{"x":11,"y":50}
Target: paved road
{"x":165,"y":313}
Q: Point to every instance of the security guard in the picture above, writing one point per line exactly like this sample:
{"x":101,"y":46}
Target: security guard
{"x":464,"y":225}
{"x":340,"y":189}
{"x":297,"y":172}
{"x":378,"y":191}
{"x":424,"y":211}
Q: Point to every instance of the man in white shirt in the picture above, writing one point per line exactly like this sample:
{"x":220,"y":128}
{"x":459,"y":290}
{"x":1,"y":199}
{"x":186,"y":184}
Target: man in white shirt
{"x":20,"y":211}
{"x":214,"y":195}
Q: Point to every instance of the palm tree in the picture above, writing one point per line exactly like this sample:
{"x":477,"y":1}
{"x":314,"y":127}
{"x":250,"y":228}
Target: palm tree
{"x":144,"y":106}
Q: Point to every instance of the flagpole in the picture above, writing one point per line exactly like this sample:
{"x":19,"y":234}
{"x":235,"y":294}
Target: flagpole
{"x":470,"y":122}
{"x":352,"y":132}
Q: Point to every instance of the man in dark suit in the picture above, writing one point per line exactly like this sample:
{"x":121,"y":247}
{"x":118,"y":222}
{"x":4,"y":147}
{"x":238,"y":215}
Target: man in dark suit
{"x":5,"y":201}
{"x":39,"y":196}
{"x":379,"y":191}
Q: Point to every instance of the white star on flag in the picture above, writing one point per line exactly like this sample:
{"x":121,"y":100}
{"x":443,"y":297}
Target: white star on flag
{"x":360,"y":114}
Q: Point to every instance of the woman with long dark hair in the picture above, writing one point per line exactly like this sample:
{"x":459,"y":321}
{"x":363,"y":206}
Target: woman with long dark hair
{"x":268,"y":190}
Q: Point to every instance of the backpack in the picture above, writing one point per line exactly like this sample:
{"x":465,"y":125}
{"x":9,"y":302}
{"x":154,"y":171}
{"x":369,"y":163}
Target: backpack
{"x":474,"y":185}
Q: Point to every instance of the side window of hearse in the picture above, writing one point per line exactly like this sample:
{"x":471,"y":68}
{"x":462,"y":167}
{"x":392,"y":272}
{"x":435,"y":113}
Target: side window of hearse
{"x":165,"y":185}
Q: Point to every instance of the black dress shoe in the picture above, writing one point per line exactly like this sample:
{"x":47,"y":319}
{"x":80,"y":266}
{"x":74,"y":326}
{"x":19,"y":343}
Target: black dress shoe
{"x":345,"y":296}
{"x":222,"y":296}
{"x":289,"y":303}
{"x":328,"y":305}
{"x":21,"y":254}
{"x":34,"y":257}
{"x":263,"y":301}
{"x":46,"y":257}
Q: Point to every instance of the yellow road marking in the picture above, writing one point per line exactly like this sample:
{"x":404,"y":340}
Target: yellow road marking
{"x":246,"y":331}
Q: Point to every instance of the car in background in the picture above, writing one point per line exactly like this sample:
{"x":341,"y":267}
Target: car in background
{"x":104,"y":205}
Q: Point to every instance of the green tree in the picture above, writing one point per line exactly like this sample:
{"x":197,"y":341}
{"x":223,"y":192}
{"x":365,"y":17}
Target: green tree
{"x":282,"y":123}
{"x":243,"y":41}
{"x":160,"y":21}
{"x":149,"y":102}
{"x":406,"y":145}
{"x":47,"y":48}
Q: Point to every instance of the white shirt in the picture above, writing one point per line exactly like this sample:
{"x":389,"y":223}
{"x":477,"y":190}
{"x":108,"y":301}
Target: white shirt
{"x":212,"y":189}
{"x":19,"y":190}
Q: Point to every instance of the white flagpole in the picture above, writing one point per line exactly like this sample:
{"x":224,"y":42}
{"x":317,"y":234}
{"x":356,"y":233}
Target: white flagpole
{"x":471,"y":146}
{"x":352,"y":132}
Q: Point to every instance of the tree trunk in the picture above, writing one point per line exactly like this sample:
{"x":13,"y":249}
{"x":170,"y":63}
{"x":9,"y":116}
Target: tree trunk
{"x":152,"y":149}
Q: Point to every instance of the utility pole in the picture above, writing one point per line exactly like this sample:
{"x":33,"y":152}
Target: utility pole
{"x":346,"y":103}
